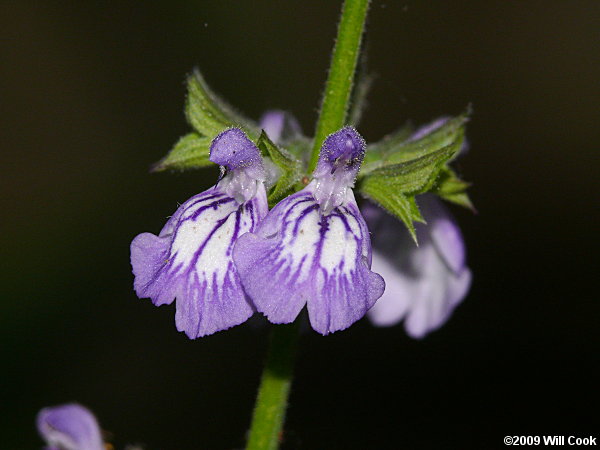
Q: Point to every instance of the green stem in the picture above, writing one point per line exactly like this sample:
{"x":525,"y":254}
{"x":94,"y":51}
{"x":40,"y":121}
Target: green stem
{"x":341,"y":74}
{"x":271,"y":402}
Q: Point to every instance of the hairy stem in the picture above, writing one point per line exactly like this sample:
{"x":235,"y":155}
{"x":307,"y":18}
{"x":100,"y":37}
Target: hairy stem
{"x":271,"y":403}
{"x":341,"y":74}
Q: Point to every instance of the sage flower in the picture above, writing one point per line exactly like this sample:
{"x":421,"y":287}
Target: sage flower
{"x":69,"y":427}
{"x":191,"y":258}
{"x":313,"y":248}
{"x":423,"y":284}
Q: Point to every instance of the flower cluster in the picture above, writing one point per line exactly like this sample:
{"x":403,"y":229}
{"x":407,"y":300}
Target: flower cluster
{"x":224,"y":255}
{"x":268,"y":237}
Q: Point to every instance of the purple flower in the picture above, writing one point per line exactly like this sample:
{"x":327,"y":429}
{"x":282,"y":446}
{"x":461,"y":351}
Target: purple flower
{"x":313,"y":248}
{"x":191,"y":259}
{"x":423,"y":284}
{"x":279,"y":125}
{"x":69,"y":427}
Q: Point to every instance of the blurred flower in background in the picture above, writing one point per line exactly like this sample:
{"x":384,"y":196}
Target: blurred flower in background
{"x":69,"y":427}
{"x":424,"y":283}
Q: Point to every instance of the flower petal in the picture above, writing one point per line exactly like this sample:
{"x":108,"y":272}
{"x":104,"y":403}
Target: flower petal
{"x":69,"y":427}
{"x":299,"y":255}
{"x":423,"y":284}
{"x":279,"y":125}
{"x":191,"y":261}
{"x":458,"y":287}
{"x":430,"y":308}
{"x":444,"y":232}
{"x":397,"y":299}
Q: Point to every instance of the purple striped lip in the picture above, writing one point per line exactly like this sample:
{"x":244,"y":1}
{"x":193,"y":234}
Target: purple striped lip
{"x":191,"y":258}
{"x":300,"y":256}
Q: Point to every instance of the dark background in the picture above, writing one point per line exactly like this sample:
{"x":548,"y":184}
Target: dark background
{"x":92,"y":94}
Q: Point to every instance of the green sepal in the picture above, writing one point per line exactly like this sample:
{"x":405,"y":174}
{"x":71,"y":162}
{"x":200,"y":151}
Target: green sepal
{"x":289,"y":166}
{"x":451,"y":132}
{"x":190,"y":152}
{"x":451,"y":188}
{"x":208,"y":114}
{"x":394,"y":186}
{"x":377,"y":153}
{"x":299,"y":147}
{"x":417,"y":175}
{"x":397,"y":147}
{"x":404,"y":207}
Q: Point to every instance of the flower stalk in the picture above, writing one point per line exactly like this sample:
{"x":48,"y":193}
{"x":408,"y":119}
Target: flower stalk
{"x":271,"y":403}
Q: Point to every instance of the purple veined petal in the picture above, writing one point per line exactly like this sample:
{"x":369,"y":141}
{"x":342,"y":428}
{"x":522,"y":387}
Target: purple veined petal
{"x":300,"y":256}
{"x":194,"y":263}
{"x":279,"y":125}
{"x":314,"y":247}
{"x":191,"y":259}
{"x":69,"y":427}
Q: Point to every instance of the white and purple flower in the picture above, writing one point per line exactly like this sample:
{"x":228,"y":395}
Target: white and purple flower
{"x":69,"y":427}
{"x":223,"y":255}
{"x":313,"y":248}
{"x":423,"y":284}
{"x":191,"y":258}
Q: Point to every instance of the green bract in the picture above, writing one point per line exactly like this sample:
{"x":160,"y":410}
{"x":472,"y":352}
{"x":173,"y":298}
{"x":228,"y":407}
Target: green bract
{"x":290,"y":169}
{"x":397,"y":168}
{"x":190,"y":152}
{"x":208,"y":114}
{"x":451,"y":188}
